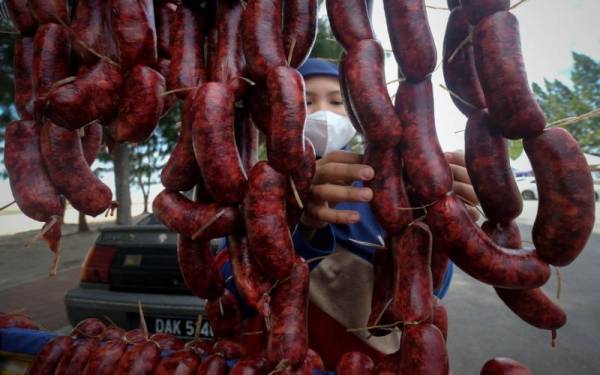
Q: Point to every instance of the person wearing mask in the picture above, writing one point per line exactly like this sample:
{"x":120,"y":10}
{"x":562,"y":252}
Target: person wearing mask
{"x":338,"y":225}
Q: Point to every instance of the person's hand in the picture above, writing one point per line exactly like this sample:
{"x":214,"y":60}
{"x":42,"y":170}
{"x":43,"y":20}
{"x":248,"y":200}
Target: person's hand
{"x":462,"y":185}
{"x":334,"y":176}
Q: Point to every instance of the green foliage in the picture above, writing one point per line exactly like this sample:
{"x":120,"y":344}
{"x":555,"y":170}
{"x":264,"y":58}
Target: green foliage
{"x":515,"y":149}
{"x":7,"y":109}
{"x":559,"y":100}
{"x":326,"y":47}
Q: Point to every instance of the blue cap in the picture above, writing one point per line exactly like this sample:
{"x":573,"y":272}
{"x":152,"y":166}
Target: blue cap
{"x":318,"y":67}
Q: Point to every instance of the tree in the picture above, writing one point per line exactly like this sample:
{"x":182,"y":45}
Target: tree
{"x":560,"y":100}
{"x":148,"y":158}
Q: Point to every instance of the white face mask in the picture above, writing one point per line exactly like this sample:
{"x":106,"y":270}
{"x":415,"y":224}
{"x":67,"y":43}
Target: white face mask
{"x":328,"y":131}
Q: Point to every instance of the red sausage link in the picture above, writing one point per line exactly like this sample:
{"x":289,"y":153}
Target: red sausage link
{"x":302,"y":178}
{"x":346,"y":96}
{"x":390,"y":202}
{"x":213,"y":134}
{"x":488,"y":164}
{"x":364,"y":68}
{"x":51,"y":60}
{"x":182,"y":362}
{"x":355,"y":363}
{"x":92,"y":142}
{"x":135,"y":32}
{"x":135,"y":336}
{"x":474,"y":252}
{"x":212,"y":36}
{"x":389,"y":365}
{"x":257,"y":101}
{"x":229,"y":349}
{"x":427,"y":170}
{"x":91,"y":28}
{"x":90,"y":327}
{"x":200,"y":346}
{"x":97,"y":90}
{"x":163,"y":67}
{"x":198,"y":268}
{"x":21,"y":16}
{"x":75,"y":360}
{"x":63,"y":157}
{"x":187,"y":49}
{"x":140,"y":359}
{"x":23,"y":65}
{"x":423,"y":351}
{"x":167,"y":341}
{"x":229,"y":62}
{"x":48,"y":358}
{"x":314,"y":360}
{"x":299,"y":29}
{"x":247,"y":367}
{"x":508,"y":236}
{"x":224,"y":316}
{"x":269,"y":237}
{"x":164,"y":12}
{"x":285,"y":138}
{"x":349,"y":21}
{"x":105,"y":359}
{"x":249,"y":281}
{"x":440,"y":317}
{"x":531,"y":305}
{"x":383,"y":286}
{"x":501,"y":70}
{"x":534,"y":307}
{"x":187,"y":218}
{"x":504,"y":366}
{"x":17,"y":321}
{"x":246,"y":139}
{"x":181,"y":173}
{"x":262,"y":36}
{"x":141,"y":107}
{"x":565,"y":216}
{"x":477,"y":10}
{"x":212,"y":365}
{"x":413,"y":291}
{"x":47,"y":11}
{"x":113,"y":333}
{"x":30,"y":184}
{"x":460,"y":73}
{"x":411,"y":38}
{"x":288,"y":337}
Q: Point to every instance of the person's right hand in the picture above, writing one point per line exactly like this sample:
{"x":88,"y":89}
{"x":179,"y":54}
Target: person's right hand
{"x":332,"y":184}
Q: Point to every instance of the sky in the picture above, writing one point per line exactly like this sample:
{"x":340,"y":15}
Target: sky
{"x":550,"y":31}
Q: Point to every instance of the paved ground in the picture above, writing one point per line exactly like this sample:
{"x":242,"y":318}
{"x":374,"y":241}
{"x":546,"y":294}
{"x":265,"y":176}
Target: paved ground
{"x":481,"y":327}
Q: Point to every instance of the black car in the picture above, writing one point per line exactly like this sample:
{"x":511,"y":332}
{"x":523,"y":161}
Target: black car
{"x":137,"y":264}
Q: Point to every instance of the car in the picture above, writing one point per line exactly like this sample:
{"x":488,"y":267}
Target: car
{"x":528,"y":188}
{"x":131,"y":264}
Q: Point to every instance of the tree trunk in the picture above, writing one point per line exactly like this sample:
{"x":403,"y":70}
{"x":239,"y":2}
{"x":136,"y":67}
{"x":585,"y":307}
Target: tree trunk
{"x":146,"y":203}
{"x":121,"y":168}
{"x":82,"y":225}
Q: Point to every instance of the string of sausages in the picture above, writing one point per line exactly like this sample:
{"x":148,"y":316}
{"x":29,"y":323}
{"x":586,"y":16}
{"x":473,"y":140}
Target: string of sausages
{"x":499,"y":104}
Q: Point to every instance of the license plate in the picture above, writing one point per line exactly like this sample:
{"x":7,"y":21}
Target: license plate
{"x":185,"y":328}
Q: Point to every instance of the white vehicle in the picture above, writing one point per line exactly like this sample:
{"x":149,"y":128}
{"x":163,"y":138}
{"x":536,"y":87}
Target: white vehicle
{"x":528,"y":188}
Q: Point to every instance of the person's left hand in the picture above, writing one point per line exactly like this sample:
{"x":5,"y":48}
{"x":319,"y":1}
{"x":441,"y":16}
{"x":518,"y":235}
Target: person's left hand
{"x":462,"y":184}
